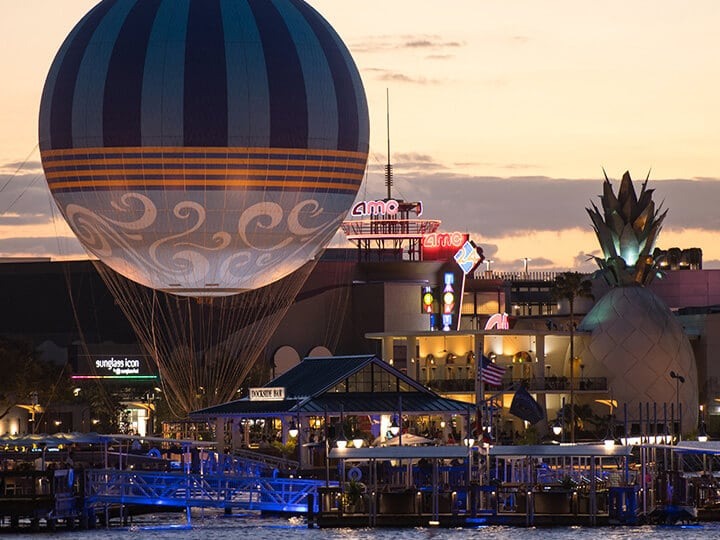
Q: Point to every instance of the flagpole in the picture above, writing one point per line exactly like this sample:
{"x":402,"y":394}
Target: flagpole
{"x":479,"y":383}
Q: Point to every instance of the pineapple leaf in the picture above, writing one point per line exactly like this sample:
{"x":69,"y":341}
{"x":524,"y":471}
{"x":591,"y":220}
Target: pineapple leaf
{"x":626,"y":194}
{"x":629,"y":245}
{"x":609,"y":201}
{"x":608,"y":240}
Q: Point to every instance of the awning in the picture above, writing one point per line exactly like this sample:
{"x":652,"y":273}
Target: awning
{"x":399,"y":452}
{"x":561,"y":450}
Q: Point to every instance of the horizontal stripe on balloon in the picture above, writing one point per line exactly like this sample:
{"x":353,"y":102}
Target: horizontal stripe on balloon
{"x":206,"y":173}
{"x":203,"y":183}
{"x":198,"y":163}
{"x":202,"y":152}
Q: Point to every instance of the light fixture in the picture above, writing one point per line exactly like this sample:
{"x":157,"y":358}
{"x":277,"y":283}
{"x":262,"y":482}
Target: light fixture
{"x":557,"y":428}
{"x":610,"y":434}
{"x":293,"y":430}
{"x":469,"y":441}
{"x":358,"y":442}
{"x":394,"y":428}
{"x":341,"y":442}
{"x":442,"y":424}
{"x":702,"y":434}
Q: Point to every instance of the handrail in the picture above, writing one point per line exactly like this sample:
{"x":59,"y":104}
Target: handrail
{"x":272,"y":462}
{"x":549,"y":384}
{"x":109,"y":486}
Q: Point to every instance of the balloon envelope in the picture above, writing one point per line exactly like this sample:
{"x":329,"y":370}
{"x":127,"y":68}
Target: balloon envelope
{"x":204,"y":147}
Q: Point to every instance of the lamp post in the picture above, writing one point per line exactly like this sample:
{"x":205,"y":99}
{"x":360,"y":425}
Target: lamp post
{"x":34,"y":402}
{"x":679,"y":379}
{"x":702,"y":432}
{"x":525,"y":261}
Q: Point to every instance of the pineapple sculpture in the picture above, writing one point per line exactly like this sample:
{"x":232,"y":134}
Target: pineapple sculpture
{"x":634,"y":339}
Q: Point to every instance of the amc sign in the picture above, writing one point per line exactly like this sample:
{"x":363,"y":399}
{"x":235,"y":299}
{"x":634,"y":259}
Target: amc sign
{"x":267,"y":394}
{"x":442,"y":246}
{"x":388,"y":207}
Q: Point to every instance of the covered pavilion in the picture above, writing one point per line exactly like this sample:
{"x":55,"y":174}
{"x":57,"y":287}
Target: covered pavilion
{"x":338,"y":398}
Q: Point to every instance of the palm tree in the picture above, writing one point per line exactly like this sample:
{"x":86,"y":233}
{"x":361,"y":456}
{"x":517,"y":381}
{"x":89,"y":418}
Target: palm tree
{"x":570,"y":286}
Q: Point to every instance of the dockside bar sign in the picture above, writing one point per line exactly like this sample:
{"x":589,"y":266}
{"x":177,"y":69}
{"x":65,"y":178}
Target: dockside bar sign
{"x":267,"y":394}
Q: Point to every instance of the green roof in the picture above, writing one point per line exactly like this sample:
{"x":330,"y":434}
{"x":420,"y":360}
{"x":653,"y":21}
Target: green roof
{"x":315,"y":375}
{"x":307,"y":390}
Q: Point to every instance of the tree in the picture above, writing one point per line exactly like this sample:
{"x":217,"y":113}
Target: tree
{"x":26,"y":375}
{"x":571,"y":286}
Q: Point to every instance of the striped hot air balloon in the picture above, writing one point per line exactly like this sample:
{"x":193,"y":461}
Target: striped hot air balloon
{"x":204,"y":147}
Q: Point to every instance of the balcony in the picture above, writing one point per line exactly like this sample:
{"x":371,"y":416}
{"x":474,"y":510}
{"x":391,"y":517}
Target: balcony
{"x":549,"y":385}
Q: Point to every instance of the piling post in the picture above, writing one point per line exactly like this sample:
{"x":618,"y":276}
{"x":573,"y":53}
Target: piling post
{"x":310,"y":510}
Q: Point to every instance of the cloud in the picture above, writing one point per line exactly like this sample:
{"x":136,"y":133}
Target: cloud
{"x":382,"y":44}
{"x":25,"y":199}
{"x":431,"y":43}
{"x":27,"y":166}
{"x":41,"y":246}
{"x":500,"y":206}
{"x":397,"y":77}
{"x":582,"y":258}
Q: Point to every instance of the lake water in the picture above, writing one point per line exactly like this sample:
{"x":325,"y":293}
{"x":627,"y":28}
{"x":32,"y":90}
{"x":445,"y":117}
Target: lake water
{"x":220,"y":527}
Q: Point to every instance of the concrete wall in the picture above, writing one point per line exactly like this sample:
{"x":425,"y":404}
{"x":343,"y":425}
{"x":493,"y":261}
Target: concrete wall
{"x":686,"y":288}
{"x":402,"y":308}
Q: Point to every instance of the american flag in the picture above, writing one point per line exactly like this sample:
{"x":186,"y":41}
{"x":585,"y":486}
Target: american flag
{"x":491,"y":372}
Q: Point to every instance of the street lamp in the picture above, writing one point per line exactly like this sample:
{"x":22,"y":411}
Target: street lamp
{"x":679,"y":379}
{"x":702,"y":432}
{"x":557,"y":428}
{"x":525,"y":260}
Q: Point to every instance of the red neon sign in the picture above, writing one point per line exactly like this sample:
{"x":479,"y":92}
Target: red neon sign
{"x":442,"y":246}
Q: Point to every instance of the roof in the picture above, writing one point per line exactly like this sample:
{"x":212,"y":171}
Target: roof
{"x":43,"y":439}
{"x":399,"y":452}
{"x":313,"y":376}
{"x":55,"y":439}
{"x":566,"y":450}
{"x":307,"y":390}
{"x":353,"y":403}
{"x":696,"y":447}
{"x":253,"y":408}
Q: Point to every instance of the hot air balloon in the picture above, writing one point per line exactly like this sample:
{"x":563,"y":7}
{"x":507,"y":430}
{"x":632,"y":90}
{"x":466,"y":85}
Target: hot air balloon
{"x":204,"y":148}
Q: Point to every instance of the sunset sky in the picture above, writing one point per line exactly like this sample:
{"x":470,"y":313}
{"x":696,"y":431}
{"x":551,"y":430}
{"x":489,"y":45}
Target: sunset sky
{"x":503,"y":116}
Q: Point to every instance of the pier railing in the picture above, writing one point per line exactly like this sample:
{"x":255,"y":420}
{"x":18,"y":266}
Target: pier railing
{"x":109,"y":486}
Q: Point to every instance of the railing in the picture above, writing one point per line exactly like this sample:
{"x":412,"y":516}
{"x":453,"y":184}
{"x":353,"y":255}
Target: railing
{"x":549,"y":384}
{"x":265,"y":462}
{"x":514,"y":276}
{"x":194,"y":490}
{"x":397,"y":228}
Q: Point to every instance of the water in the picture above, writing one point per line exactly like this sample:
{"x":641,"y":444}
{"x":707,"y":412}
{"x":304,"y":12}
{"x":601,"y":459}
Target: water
{"x":220,"y":527}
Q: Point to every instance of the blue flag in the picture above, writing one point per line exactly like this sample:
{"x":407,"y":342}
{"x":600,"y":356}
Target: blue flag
{"x":525,"y":407}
